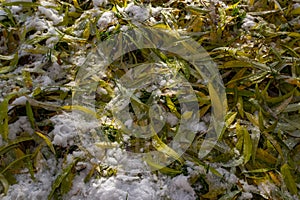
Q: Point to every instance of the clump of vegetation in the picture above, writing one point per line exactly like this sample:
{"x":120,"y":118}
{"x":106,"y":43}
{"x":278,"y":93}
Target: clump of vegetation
{"x":254,"y":43}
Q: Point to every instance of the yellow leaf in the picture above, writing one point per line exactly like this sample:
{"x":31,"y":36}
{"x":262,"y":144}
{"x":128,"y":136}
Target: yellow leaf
{"x":275,"y":178}
{"x":87,"y":31}
{"x":81,"y":108}
{"x":240,"y":106}
{"x":204,"y":110}
{"x":76,"y":4}
{"x":114,"y":9}
{"x":47,"y":140}
{"x":252,"y":119}
{"x":161,"y":26}
{"x":230,"y":118}
{"x":235,"y":63}
{"x":219,"y":107}
{"x":172,"y":106}
{"x":161,"y":168}
{"x":296,"y":11}
{"x":162,"y":147}
{"x":294,"y":34}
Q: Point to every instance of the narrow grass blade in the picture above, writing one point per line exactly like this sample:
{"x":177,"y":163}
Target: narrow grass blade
{"x":289,"y":179}
{"x":47,"y":141}
{"x":4,"y":183}
{"x":58,"y":181}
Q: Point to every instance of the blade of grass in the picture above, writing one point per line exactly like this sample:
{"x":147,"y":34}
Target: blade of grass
{"x":30,"y":115}
{"x":247,"y":146}
{"x":60,"y":178}
{"x":13,"y":144}
{"x":4,"y":182}
{"x":47,"y":141}
{"x":288,"y":178}
{"x":15,"y":162}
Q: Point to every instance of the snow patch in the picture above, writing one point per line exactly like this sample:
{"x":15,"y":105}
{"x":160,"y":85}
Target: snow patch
{"x":137,"y":13}
{"x":20,"y":126}
{"x":180,"y":189}
{"x":99,"y":3}
{"x":51,"y":14}
{"x":106,"y":19}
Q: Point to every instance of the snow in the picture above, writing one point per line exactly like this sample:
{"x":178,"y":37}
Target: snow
{"x":19,"y":101}
{"x":171,"y":119}
{"x":245,"y":195}
{"x":248,"y":22}
{"x":44,"y":81}
{"x":180,"y":189}
{"x":64,"y":131}
{"x":99,"y":3}
{"x":3,"y":15}
{"x":132,"y":180}
{"x":106,"y":19}
{"x":137,"y":13}
{"x":20,"y":126}
{"x":51,"y":14}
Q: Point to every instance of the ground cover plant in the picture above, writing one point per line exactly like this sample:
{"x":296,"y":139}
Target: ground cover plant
{"x":47,"y":151}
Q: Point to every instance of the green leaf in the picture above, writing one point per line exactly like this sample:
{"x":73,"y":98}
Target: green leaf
{"x":240,"y":106}
{"x":67,"y":183}
{"x":13,"y":144}
{"x":4,"y":118}
{"x":261,"y":120}
{"x":4,"y":115}
{"x":266,"y":156}
{"x":90,"y":174}
{"x":283,"y":105}
{"x":30,"y":115}
{"x":12,"y":65}
{"x":87,"y":31}
{"x":262,"y":170}
{"x":60,"y":178}
{"x":15,"y":162}
{"x":293,"y":123}
{"x":288,"y":178}
{"x":239,"y":135}
{"x":274,"y":142}
{"x":4,"y":182}
{"x":247,"y":147}
{"x":252,"y":119}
